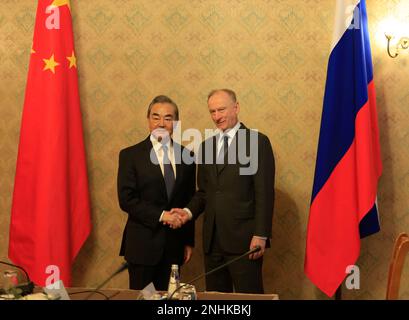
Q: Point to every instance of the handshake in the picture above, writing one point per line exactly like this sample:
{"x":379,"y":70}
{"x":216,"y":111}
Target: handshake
{"x":175,"y":218}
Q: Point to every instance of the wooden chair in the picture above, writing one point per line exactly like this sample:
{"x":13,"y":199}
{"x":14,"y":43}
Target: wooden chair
{"x":400,"y":251}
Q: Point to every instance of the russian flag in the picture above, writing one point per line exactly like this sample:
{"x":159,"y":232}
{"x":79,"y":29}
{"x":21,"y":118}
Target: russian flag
{"x":343,"y":205}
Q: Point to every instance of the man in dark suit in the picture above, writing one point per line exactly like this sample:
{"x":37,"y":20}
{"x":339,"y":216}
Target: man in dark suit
{"x":152,"y":179}
{"x":236,"y":192}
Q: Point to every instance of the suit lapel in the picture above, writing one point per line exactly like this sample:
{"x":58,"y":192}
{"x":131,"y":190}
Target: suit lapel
{"x":154,"y":167}
{"x":214,"y":153}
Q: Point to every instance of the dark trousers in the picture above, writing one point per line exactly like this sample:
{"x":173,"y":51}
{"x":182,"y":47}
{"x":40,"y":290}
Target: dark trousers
{"x":243,"y":275}
{"x":140,"y":275}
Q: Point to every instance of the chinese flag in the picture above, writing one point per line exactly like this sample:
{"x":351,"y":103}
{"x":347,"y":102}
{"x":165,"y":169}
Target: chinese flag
{"x":50,"y":218}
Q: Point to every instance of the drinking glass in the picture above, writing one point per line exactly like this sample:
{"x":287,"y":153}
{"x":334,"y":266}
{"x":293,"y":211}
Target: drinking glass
{"x":10,"y":281}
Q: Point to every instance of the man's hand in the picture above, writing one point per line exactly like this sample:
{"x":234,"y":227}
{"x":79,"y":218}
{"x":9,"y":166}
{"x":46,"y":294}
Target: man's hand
{"x":182,"y":214}
{"x":188,"y":254}
{"x":255,"y":241}
{"x":171,"y":219}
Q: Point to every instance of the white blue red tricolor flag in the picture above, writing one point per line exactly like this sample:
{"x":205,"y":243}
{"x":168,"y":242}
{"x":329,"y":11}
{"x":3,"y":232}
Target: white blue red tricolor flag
{"x":343,"y":206}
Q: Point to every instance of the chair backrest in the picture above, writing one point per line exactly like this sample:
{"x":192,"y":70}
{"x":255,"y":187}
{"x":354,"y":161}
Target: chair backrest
{"x":400,"y":251}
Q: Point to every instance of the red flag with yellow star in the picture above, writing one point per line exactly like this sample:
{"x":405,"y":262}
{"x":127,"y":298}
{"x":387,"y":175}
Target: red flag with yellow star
{"x":50,"y":218}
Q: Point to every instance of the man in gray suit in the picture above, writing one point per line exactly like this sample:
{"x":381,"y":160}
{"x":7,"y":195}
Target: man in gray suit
{"x":237,"y":201}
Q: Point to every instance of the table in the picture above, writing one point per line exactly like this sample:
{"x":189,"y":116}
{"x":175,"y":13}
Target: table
{"x":126,"y":294}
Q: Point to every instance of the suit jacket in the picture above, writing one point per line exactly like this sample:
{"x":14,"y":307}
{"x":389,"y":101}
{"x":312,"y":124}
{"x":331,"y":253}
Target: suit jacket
{"x":142,"y":195}
{"x":237,"y":206}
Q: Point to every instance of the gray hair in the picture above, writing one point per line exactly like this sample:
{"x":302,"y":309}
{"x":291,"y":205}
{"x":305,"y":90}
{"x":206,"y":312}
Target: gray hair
{"x":231,"y":93}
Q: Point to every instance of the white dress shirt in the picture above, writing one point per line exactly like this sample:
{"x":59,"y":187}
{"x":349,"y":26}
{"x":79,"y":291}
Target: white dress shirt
{"x":158,"y":148}
{"x":230,"y":133}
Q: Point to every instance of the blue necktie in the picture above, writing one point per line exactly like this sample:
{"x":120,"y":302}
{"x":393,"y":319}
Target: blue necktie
{"x":222,"y":153}
{"x":168,"y":173}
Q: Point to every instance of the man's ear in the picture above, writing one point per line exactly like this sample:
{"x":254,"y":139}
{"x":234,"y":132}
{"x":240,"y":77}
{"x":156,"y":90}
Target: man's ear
{"x":237,"y":107}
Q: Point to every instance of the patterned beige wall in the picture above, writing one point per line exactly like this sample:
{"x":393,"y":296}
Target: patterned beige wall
{"x":274,"y":53}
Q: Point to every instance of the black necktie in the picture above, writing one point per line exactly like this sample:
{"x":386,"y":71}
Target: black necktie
{"x":222,"y":153}
{"x":168,"y":173}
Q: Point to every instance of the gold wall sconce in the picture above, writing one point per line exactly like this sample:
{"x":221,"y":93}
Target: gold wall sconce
{"x":402,"y":44}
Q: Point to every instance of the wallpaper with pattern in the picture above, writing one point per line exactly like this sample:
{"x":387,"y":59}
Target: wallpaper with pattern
{"x":273,"y":53}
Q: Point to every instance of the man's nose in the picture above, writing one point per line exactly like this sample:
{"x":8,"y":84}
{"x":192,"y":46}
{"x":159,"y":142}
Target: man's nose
{"x":162,"y":123}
